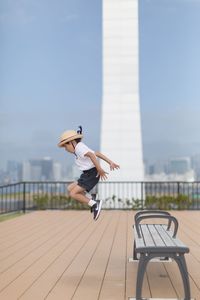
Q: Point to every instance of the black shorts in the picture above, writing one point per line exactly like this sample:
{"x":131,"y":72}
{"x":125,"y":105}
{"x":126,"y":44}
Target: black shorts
{"x":88,"y":179}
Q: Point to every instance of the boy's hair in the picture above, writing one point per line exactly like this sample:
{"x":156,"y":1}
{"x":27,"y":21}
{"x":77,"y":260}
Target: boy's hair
{"x":78,"y":140}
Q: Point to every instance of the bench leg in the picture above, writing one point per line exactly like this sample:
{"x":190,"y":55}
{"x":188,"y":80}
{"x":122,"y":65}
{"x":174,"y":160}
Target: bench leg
{"x":180,"y":259}
{"x":143,"y":261}
{"x":134,"y":253}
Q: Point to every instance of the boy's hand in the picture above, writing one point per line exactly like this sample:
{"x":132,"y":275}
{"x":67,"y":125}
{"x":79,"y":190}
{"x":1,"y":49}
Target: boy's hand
{"x":102,"y":174}
{"x":113,"y":166}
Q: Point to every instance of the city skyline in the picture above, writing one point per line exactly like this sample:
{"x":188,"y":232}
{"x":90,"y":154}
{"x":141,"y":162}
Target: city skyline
{"x":51,"y":76}
{"x":40,"y":169}
{"x":47,"y":169}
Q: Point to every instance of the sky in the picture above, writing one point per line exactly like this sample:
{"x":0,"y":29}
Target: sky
{"x":51,"y":76}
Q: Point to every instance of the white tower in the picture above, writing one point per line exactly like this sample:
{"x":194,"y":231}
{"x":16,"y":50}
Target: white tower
{"x":120,"y":127}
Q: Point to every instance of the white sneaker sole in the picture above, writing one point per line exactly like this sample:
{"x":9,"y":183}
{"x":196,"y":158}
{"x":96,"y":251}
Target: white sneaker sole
{"x":99,"y":210}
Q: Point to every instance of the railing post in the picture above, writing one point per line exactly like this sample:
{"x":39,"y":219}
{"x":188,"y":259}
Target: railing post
{"x":178,"y":188}
{"x":24,"y":197}
{"x":142,"y":195}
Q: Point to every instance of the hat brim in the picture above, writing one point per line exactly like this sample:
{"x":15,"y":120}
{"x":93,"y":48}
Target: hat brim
{"x":69,"y":139}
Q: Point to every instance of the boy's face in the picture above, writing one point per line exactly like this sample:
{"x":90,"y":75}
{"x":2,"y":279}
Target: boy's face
{"x":69,"y":147}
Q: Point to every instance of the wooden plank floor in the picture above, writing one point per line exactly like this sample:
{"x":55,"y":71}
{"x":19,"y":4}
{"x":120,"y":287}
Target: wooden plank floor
{"x":66,"y":255}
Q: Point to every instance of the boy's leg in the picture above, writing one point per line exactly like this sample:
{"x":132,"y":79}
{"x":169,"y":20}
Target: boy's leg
{"x":78,"y":193}
{"x":75,"y":183}
{"x":71,"y":186}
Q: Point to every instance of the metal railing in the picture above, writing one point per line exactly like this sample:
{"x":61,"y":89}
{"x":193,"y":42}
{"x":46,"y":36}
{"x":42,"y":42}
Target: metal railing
{"x":25,"y":196}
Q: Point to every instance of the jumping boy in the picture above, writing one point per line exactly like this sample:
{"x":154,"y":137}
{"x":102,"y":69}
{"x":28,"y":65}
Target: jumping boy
{"x":86,"y":160}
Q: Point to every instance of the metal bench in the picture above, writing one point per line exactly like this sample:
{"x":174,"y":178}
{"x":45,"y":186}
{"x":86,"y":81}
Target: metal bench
{"x":155,"y":241}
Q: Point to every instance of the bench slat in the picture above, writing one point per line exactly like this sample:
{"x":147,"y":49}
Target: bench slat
{"x":167,"y":238}
{"x":177,"y":241}
{"x":148,"y":239}
{"x":156,"y":235}
{"x":155,"y":238}
{"x":140,"y":242}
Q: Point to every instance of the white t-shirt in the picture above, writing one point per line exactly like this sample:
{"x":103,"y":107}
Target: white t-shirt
{"x":83,"y":162}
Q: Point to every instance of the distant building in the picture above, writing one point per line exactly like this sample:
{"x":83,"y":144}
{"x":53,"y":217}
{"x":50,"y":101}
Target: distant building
{"x":47,"y":168}
{"x":38,"y":169}
{"x":157,"y":167}
{"x":179,"y":165}
{"x":26,"y":171}
{"x":44,"y":169}
{"x":121,"y":126}
{"x":195,"y":162}
{"x":36,"y":173}
{"x":13,"y":171}
{"x":57,"y":171}
{"x":177,"y":169}
{"x":188,"y":177}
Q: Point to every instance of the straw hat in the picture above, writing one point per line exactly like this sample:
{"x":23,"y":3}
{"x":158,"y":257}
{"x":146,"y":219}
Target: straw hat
{"x":68,"y":136}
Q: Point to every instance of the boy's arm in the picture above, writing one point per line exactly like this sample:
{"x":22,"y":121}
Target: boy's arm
{"x":105,"y":158}
{"x":100,"y":171}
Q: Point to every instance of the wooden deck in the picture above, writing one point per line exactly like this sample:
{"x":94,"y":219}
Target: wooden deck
{"x":66,"y":255}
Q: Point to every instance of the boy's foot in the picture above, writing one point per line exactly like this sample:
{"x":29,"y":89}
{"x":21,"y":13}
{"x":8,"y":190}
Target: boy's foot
{"x":96,"y":209}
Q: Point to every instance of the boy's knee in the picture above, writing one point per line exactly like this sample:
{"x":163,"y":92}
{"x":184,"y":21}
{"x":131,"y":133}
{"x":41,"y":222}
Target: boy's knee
{"x":72,"y":193}
{"x":71,"y":186}
{"x":69,"y":189}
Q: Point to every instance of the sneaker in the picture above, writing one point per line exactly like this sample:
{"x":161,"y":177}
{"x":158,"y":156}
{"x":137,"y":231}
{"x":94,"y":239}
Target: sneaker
{"x":96,"y":209}
{"x":92,"y":208}
{"x":93,"y":198}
